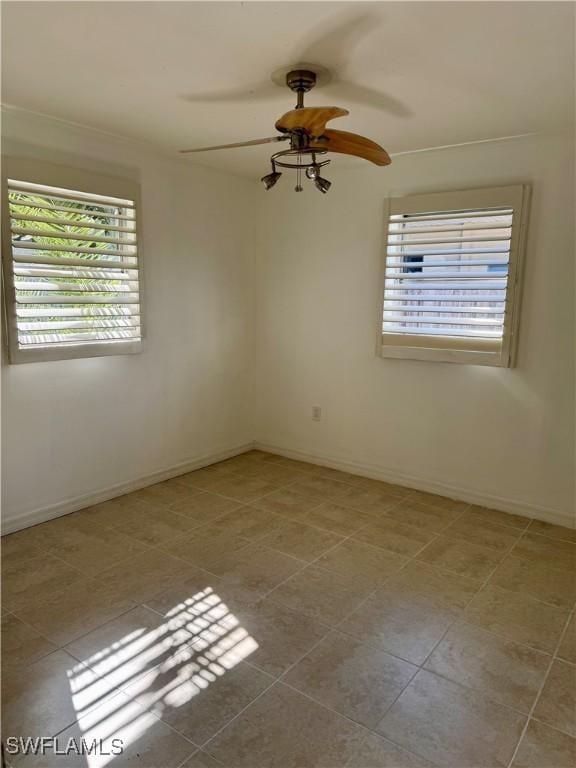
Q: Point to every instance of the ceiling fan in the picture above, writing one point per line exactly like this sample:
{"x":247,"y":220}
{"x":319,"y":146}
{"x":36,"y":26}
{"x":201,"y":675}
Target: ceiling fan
{"x":305,"y":129}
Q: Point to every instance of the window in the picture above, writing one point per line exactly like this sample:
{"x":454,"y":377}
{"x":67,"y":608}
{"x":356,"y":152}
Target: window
{"x":452,"y":276}
{"x":71,"y":267}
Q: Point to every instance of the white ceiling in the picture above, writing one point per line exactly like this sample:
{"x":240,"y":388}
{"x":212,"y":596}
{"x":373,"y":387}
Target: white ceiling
{"x":185,"y":74}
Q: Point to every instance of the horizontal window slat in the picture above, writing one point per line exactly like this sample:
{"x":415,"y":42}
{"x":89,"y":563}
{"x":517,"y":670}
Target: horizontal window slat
{"x":56,"y":234}
{"x":69,"y":209}
{"x":432,"y":331}
{"x":409,"y":273}
{"x":88,"y":312}
{"x":81,"y":223}
{"x":411,"y":319}
{"x":439,"y":309}
{"x":395,"y":250}
{"x":89,"y":323}
{"x":125,"y":299}
{"x":87,"y":286}
{"x":48,"y":339}
{"x":498,"y":297}
{"x":405,"y":240}
{"x":76,"y":272}
{"x":124,"y":262}
{"x":400,"y":261}
{"x":441,"y":216}
{"x":58,"y":193}
{"x":404,"y":227}
{"x":73,"y":249}
{"x":434,"y":284}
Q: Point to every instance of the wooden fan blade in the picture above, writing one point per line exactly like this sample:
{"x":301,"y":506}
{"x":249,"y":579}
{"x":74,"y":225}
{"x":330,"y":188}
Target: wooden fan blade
{"x":312,"y":120}
{"x":352,"y":144}
{"x":251,"y":143}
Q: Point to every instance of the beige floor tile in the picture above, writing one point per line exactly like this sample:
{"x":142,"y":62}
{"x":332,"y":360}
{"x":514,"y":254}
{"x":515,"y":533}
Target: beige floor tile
{"x":142,"y":577}
{"x":245,"y":489}
{"x":475,"y":529}
{"x":395,"y":537}
{"x":209,"y":474}
{"x":461,"y":557}
{"x":500,"y":518}
{"x":353,"y":677}
{"x":369,"y":501}
{"x":518,"y":617}
{"x":85,"y":545}
{"x":197,"y":695}
{"x":204,"y":507}
{"x":270,"y":636}
{"x":407,"y":626}
{"x":288,"y":502}
{"x":249,"y":522}
{"x":567,"y":650}
{"x":201,"y":759}
{"x":21,"y":644}
{"x":423,"y":517}
{"x":193,"y":593}
{"x":337,"y":474}
{"x":284,"y":729}
{"x":256,"y":568}
{"x":361,"y":562}
{"x":165,"y":493}
{"x":33,"y":575}
{"x":557,"y":703}
{"x":377,"y":752}
{"x":440,"y":502}
{"x":130,"y":645}
{"x":556,"y":553}
{"x":305,"y":542}
{"x":301,"y":466}
{"x":552,"y":531}
{"x":383,"y":487}
{"x":338,"y":519}
{"x":154,"y":527}
{"x":505,"y":671}
{"x":146,"y":742}
{"x":536,"y":579}
{"x":320,"y":487}
{"x":440,"y":588}
{"x":451,"y":725}
{"x":323,"y":595}
{"x":108,"y":513}
{"x":273,"y":474}
{"x":76,"y":610}
{"x":206,"y":545}
{"x":45,"y":697}
{"x":544,"y":747}
{"x":242,"y":462}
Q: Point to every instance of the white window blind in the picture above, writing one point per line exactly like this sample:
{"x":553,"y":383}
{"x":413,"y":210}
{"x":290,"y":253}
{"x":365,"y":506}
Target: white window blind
{"x":451,"y":276}
{"x":72,"y":276}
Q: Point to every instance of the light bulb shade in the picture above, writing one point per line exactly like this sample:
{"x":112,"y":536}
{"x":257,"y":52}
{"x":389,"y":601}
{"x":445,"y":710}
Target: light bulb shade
{"x":312,"y":172}
{"x":322,"y":184}
{"x":270,"y":179}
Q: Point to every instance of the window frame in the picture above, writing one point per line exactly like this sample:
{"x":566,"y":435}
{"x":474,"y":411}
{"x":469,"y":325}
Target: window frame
{"x":446,"y":349}
{"x":35,"y":171}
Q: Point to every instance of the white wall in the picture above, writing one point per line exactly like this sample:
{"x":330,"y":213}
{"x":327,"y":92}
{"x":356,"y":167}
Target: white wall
{"x":496,"y":436}
{"x":76,"y":428}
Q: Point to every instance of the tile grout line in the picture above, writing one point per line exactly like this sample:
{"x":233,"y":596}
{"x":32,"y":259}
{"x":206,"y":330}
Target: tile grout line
{"x":553,"y":658}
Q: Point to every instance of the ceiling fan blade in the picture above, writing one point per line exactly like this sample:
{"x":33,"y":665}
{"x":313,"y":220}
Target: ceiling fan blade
{"x":352,"y":144}
{"x":251,"y":143}
{"x":312,"y":120}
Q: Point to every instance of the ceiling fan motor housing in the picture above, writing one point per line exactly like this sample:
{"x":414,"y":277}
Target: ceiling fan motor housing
{"x":301,"y":80}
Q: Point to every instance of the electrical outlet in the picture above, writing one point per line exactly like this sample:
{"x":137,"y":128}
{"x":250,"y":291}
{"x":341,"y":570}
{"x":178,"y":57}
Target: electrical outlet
{"x":316,"y":413}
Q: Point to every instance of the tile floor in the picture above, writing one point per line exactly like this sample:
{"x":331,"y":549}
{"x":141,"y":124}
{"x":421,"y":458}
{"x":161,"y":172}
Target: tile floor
{"x":268,"y":613}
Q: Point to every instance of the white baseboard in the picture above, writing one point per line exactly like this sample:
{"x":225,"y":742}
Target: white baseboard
{"x":35,"y":516}
{"x":423,"y":484}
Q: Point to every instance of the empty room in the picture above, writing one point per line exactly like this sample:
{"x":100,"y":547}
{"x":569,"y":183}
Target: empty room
{"x":288,"y":346}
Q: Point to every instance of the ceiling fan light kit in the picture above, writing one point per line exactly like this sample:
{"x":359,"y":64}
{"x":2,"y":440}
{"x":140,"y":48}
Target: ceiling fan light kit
{"x":305,"y":129}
